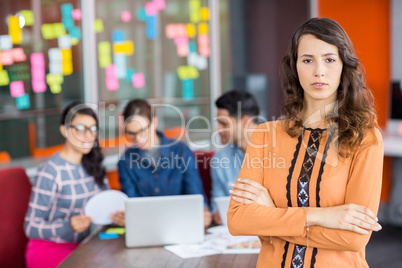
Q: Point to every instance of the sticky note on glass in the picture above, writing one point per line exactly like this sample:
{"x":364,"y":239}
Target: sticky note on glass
{"x":23,"y":102}
{"x":120,"y":62}
{"x":138,"y":80}
{"x":160,"y":4}
{"x":204,"y":50}
{"x":14,"y":29}
{"x":111,"y":80}
{"x":192,"y":47}
{"x":37,"y":59}
{"x":28,"y":17}
{"x":108,"y":236}
{"x":129,"y":75}
{"x":126,"y":48}
{"x":6,"y":57}
{"x":170,"y":31}
{"x":151,"y":27}
{"x":203,"y":28}
{"x":76,"y":14}
{"x":4,"y":79}
{"x":75,"y":32}
{"x":118,"y":36}
{"x":64,"y":41}
{"x":117,"y":230}
{"x":181,"y":40}
{"x":18,"y":54}
{"x":68,"y":22}
{"x":188,"y":89}
{"x":204,"y":13}
{"x":150,"y":9}
{"x":104,"y":54}
{"x":191,"y":30}
{"x":17,"y":89}
{"x":98,"y":26}
{"x":54,"y":79}
{"x":125,"y":16}
{"x":58,"y":29}
{"x":195,"y":6}
{"x":182,"y":50}
{"x":54,"y":54}
{"x":66,"y":54}
{"x":47,"y":31}
{"x":187,"y":72}
{"x":5,"y":42}
{"x":56,"y":68}
{"x":66,"y":10}
{"x":141,"y":14}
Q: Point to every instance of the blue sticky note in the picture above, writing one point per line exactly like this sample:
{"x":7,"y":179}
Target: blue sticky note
{"x":188,"y":89}
{"x":141,"y":14}
{"x":120,"y":61}
{"x":23,"y":102}
{"x":192,"y":47}
{"x":118,"y":36}
{"x":129,"y":75}
{"x":151,"y":27}
{"x":75,"y":32}
{"x":68,"y":22}
{"x":66,"y":10}
{"x":108,"y":235}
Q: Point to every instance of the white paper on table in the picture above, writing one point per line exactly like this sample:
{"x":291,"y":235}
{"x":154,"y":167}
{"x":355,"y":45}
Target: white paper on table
{"x":101,"y":205}
{"x":191,"y":251}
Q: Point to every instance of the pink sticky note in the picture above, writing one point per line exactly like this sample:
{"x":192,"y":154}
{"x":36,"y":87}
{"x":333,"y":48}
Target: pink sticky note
{"x":38,"y":86}
{"x":182,"y":50}
{"x":138,"y":80}
{"x":110,"y":71}
{"x":17,"y":89}
{"x":76,"y":13}
{"x":37,"y":60}
{"x":160,"y":4}
{"x":181,"y":29}
{"x":150,"y":9}
{"x":204,"y":51}
{"x":38,"y":72}
{"x":181,"y":40}
{"x":170,"y":31}
{"x":18,"y":54}
{"x":6,"y":57}
{"x":126,"y":16}
{"x":112,"y":84}
{"x":203,"y":39}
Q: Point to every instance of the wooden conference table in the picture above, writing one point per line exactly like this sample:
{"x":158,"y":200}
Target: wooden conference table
{"x":95,"y":252}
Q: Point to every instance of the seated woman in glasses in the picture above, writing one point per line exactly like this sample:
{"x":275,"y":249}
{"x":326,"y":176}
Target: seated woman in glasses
{"x":55,"y":222}
{"x":155,"y":165}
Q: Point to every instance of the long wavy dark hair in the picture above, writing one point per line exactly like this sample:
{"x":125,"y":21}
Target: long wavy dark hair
{"x":354,"y":113}
{"x":92,"y":161}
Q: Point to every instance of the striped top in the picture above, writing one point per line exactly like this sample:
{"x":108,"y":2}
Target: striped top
{"x":60,"y":190}
{"x":306,"y":172}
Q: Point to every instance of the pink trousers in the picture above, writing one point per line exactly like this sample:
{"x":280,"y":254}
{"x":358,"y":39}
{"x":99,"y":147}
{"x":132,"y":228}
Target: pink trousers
{"x":46,"y":254}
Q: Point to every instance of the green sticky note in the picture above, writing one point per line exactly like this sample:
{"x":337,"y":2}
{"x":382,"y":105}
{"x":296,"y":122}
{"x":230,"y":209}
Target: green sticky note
{"x":117,"y":230}
{"x":28,"y":16}
{"x":104,"y":54}
{"x":47,"y":31}
{"x":4,"y":79}
{"x":98,"y":26}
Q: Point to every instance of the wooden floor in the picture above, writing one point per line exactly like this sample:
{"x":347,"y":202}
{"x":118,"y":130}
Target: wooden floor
{"x":385,"y":248}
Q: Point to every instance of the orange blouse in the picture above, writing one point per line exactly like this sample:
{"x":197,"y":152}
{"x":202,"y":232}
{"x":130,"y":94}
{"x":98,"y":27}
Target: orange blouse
{"x":306,"y":172}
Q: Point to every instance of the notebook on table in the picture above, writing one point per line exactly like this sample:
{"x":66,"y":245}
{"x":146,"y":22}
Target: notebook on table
{"x":164,"y":220}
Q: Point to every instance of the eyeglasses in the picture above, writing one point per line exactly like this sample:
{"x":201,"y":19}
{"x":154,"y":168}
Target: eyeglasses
{"x":82,"y":129}
{"x":135,"y":134}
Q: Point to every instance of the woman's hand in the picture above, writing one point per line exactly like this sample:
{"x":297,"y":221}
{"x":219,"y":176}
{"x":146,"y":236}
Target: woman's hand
{"x":217,"y":218}
{"x":349,"y":217}
{"x":207,"y":217}
{"x":248,"y":191}
{"x":80,"y":223}
{"x":118,"y":217}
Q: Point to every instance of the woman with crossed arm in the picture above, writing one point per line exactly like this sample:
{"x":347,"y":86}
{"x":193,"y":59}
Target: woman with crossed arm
{"x":310,"y":184}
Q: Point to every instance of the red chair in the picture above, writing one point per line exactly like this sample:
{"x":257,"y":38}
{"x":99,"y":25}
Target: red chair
{"x":15,"y":190}
{"x":203,"y":159}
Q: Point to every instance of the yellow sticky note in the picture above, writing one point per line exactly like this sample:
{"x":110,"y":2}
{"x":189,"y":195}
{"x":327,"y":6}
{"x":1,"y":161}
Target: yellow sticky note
{"x":98,"y":26}
{"x":67,"y":67}
{"x":74,"y":41}
{"x":28,"y":16}
{"x":182,"y":72}
{"x":204,"y":13}
{"x":4,"y":79}
{"x":47,"y":31}
{"x":126,"y":47}
{"x":192,"y":72}
{"x":203,"y":28}
{"x":104,"y":54}
{"x":191,"y":30}
{"x":195,"y":10}
{"x":117,"y":230}
{"x":55,"y":88}
{"x":14,"y":30}
{"x":66,"y":54}
{"x":58,"y":29}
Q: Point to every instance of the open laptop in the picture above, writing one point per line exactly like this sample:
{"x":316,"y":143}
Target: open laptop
{"x":163,"y":220}
{"x":222,"y":203}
